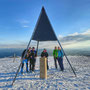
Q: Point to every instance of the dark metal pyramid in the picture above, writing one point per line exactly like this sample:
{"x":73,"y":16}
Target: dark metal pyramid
{"x":43,"y":30}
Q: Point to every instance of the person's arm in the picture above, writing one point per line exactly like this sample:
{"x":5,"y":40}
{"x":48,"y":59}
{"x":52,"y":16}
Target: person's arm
{"x":53,"y":53}
{"x":31,"y":54}
{"x":26,"y":57}
{"x":62,"y":53}
{"x":42,"y":54}
{"x":35,"y":53}
{"x":46,"y":54}
{"x":23,"y":53}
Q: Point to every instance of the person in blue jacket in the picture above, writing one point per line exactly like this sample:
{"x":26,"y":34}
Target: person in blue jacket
{"x":25,"y":60}
{"x":60,"y":58}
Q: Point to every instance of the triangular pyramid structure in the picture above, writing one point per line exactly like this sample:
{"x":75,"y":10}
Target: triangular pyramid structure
{"x":43,"y":30}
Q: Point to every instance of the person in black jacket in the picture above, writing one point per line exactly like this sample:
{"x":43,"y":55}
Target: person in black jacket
{"x":29,"y":59}
{"x":33,"y":58}
{"x":45,"y":54}
{"x":23,"y":53}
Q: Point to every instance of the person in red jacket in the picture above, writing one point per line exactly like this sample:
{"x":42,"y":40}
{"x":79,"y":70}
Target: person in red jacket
{"x":45,"y":54}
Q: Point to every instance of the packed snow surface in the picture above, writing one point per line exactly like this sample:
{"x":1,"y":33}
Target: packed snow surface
{"x":57,"y":80}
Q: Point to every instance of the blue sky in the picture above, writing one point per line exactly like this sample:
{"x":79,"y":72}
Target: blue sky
{"x":18,"y":18}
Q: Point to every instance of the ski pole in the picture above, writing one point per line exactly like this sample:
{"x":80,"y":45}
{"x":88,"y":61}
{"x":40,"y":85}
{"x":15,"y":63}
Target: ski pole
{"x":16,"y":74}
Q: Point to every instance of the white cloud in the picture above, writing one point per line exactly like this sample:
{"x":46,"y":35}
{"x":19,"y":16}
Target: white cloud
{"x":76,"y":40}
{"x":86,"y":32}
{"x":12,"y":46}
{"x":74,"y":34}
{"x":25,"y":26}
{"x":83,"y":44}
{"x":23,"y":21}
{"x":60,"y":36}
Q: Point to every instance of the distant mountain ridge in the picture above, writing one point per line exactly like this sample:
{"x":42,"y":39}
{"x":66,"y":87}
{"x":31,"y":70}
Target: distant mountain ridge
{"x":10,"y":52}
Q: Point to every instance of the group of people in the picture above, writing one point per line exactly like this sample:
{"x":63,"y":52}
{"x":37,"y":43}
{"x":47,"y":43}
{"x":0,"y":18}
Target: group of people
{"x":31,"y":55}
{"x":58,"y":57}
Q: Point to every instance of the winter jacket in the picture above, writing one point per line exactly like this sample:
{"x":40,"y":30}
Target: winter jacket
{"x":33,"y":53}
{"x":55,"y":53}
{"x":23,"y":53}
{"x":26,"y":57}
{"x":60,"y":53}
{"x":44,"y":54}
{"x":29,"y":52}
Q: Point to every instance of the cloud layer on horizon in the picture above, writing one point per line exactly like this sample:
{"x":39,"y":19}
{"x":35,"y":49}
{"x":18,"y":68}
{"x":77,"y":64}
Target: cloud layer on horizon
{"x":75,"y":40}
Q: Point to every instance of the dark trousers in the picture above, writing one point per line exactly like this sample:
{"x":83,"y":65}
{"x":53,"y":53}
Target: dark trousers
{"x":55,"y":62}
{"x":30,"y":67}
{"x":47,"y":65}
{"x":32,"y":64}
{"x":60,"y":62}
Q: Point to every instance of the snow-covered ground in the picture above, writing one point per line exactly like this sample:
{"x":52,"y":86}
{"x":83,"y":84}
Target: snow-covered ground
{"x":57,"y":80}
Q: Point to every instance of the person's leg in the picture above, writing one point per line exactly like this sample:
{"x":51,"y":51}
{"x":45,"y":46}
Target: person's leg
{"x":30,"y":68}
{"x":30,"y":64}
{"x":61,"y":64}
{"x":47,"y":65}
{"x":33,"y":65}
{"x":26,"y":61}
{"x":26,"y":67}
{"x":22,"y":67}
{"x":55,"y":62}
